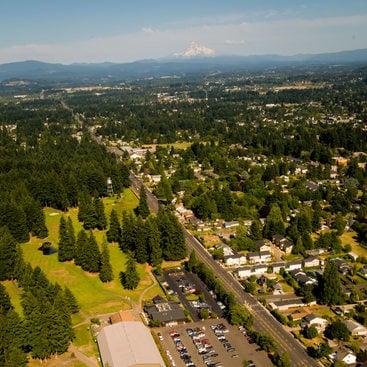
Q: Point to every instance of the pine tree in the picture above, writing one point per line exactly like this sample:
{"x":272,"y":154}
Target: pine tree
{"x":304,"y":221}
{"x":35,"y":218}
{"x":71,"y":301}
{"x":142,"y":209}
{"x":331,"y":291}
{"x":13,"y":217}
{"x":316,"y":216}
{"x":114,"y":232}
{"x":339,"y":224}
{"x":105,"y":273}
{"x":66,"y":240}
{"x":8,"y":254}
{"x":5,"y":303}
{"x":153,"y":242}
{"x":71,"y":235}
{"x":141,"y":251}
{"x":256,"y":230}
{"x":92,"y":262}
{"x":127,"y":232}
{"x":130,"y":278}
{"x":191,"y":264}
{"x":172,"y":237}
{"x":81,"y":248}
{"x":12,"y":335}
{"x":274,"y":222}
{"x":101,"y":222}
{"x":298,"y":247}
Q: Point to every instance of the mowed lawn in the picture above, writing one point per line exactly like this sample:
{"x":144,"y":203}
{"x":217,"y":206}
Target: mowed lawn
{"x":94,"y":297}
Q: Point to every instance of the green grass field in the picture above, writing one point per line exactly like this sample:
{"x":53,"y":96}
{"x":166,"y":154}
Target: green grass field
{"x":93,"y":296}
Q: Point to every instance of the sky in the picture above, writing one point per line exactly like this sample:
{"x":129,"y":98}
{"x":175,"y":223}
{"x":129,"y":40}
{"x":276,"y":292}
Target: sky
{"x":89,"y":31}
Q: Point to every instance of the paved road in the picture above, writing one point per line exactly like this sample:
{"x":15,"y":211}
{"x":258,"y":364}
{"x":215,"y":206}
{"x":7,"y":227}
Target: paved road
{"x":263,"y":320}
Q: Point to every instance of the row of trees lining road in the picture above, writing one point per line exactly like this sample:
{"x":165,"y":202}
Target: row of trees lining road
{"x":45,"y":327}
{"x":237,"y":314}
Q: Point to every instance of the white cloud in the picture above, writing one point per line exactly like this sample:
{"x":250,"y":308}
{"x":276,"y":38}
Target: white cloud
{"x":247,"y":38}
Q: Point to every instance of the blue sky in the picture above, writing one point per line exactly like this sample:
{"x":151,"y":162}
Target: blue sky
{"x":70,"y":31}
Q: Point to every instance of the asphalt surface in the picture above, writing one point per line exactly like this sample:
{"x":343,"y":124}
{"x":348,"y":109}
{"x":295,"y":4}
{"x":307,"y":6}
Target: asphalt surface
{"x":175,"y":278}
{"x":242,"y":348}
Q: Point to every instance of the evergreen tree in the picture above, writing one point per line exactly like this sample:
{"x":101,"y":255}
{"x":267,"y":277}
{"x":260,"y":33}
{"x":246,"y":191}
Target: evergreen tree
{"x":92,"y":262}
{"x":5,"y":303}
{"x":13,"y":217}
{"x":316,"y":216}
{"x":142,"y":209}
{"x":128,"y":232}
{"x":35,"y":218}
{"x":304,"y":219}
{"x":339,"y":224}
{"x":12,"y":336}
{"x":130,"y":278}
{"x":66,"y":240}
{"x":71,"y":301}
{"x":153,"y":242}
{"x":81,"y":248}
{"x":192,"y":262}
{"x":331,"y":291}
{"x":63,"y":239}
{"x":72,"y":190}
{"x":87,"y":213}
{"x":256,"y":230}
{"x":101,"y":222}
{"x":140,"y":251}
{"x":8,"y":254}
{"x":274,"y":222}
{"x":298,"y":247}
{"x":71,"y":235}
{"x":172,"y":237}
{"x":114,"y":232}
{"x":105,"y":273}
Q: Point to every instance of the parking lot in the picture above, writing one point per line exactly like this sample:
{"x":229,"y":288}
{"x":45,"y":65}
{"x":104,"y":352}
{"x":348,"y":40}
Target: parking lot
{"x":209,"y":343}
{"x":181,"y":283}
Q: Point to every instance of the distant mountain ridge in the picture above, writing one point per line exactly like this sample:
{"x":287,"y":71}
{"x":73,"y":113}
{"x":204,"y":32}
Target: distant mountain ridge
{"x":193,"y":61}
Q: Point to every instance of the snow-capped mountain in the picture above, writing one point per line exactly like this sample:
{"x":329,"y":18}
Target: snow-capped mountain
{"x":196,"y":50}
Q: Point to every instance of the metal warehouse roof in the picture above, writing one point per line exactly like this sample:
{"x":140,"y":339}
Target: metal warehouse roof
{"x":128,"y":344}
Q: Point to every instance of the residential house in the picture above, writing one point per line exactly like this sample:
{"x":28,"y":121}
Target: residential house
{"x":247,"y":271}
{"x":363,"y":272}
{"x":293,"y":265}
{"x":262,"y":246}
{"x":287,"y":246}
{"x":301,"y":278}
{"x":315,"y":320}
{"x":231,"y":224}
{"x":226,"y":249}
{"x":342,"y":265}
{"x":311,"y":261}
{"x":283,"y":243}
{"x":355,"y":328}
{"x":235,"y":259}
{"x":343,"y":355}
{"x":288,"y":303}
{"x":312,"y":186}
{"x":259,"y":257}
{"x":277,"y":266}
